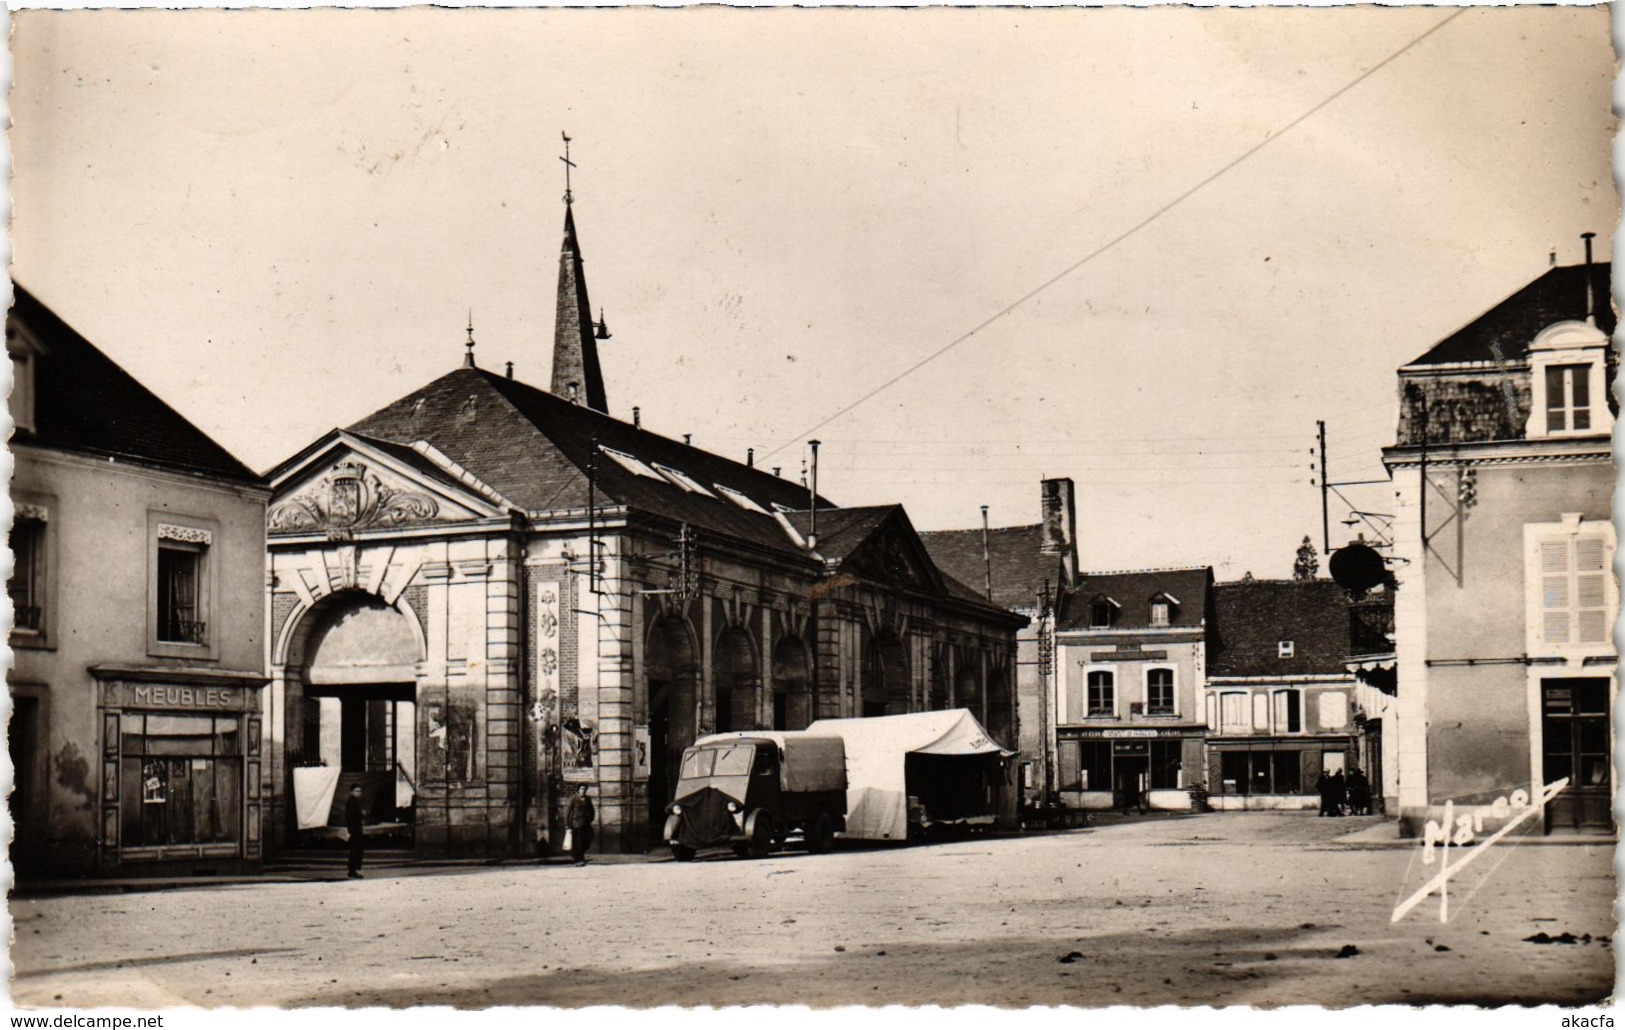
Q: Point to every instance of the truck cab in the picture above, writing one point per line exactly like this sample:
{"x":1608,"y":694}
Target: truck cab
{"x":755,"y":791}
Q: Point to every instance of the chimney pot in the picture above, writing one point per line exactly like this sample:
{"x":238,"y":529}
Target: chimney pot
{"x":637,"y":417}
{"x":750,"y":457}
{"x":510,"y":370}
{"x":688,"y":439}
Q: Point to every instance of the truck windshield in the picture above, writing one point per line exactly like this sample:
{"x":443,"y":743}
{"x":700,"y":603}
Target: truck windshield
{"x":717,"y":761}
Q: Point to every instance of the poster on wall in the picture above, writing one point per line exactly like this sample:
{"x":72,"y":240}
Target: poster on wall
{"x":640,"y":752}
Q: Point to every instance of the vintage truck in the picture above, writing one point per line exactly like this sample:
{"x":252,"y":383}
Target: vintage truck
{"x":756,"y":791}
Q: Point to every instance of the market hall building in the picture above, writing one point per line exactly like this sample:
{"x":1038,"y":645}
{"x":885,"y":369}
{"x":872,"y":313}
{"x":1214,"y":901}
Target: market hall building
{"x":1504,"y":616}
{"x":138,"y":634}
{"x":485,"y":594}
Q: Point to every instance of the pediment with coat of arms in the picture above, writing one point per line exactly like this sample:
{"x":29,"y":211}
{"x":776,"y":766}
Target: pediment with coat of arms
{"x":355,"y":495}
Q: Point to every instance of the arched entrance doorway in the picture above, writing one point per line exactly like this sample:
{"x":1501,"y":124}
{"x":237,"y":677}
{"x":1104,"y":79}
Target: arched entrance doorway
{"x":792,"y":686}
{"x":355,"y":723}
{"x":737,"y":682}
{"x":968,"y":690}
{"x":672,"y":680}
{"x":1000,"y":714}
{"x":885,"y":677}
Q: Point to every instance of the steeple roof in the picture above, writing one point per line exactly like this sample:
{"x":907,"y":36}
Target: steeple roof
{"x":575,"y":351}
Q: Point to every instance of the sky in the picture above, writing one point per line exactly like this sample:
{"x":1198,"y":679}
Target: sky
{"x":1181,"y":236}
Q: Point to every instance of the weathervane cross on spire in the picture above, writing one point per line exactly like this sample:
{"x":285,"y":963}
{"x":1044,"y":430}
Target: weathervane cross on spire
{"x":468,"y":358}
{"x":568,"y":164}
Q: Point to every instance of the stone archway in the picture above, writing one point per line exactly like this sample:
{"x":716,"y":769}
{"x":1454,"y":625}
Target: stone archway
{"x":736,"y":680}
{"x":1000,"y":710}
{"x":793,"y":707}
{"x":885,"y":677}
{"x":672,"y":684}
{"x":351,"y":717}
{"x":968,"y":689}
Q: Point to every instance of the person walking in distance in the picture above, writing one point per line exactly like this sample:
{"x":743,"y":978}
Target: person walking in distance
{"x":356,"y":830}
{"x":579,"y":820}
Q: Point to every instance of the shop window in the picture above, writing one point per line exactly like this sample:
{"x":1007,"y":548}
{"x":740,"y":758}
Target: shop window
{"x":1261,"y":772}
{"x":27,"y":584}
{"x":1102,"y":693}
{"x":1159,"y":692}
{"x":180,"y":779}
{"x":1286,"y":772}
{"x":1095,"y":764}
{"x":1165,"y":764}
{"x":180,"y":593}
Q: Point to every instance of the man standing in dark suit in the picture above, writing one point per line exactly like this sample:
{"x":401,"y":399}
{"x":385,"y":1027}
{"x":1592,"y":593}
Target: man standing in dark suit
{"x":357,"y":832}
{"x":579,"y":819}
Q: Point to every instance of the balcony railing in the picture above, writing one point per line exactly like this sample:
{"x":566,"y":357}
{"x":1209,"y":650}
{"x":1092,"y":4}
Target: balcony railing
{"x":185,"y":631}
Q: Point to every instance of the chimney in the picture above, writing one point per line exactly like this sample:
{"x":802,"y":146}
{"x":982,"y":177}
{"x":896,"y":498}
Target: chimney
{"x":1591,"y":292}
{"x":987,"y":555}
{"x":1060,"y":525}
{"x":510,"y":370}
{"x":776,"y":470}
{"x":637,"y":417}
{"x":688,"y":439}
{"x":750,"y":457}
{"x":812,"y":498}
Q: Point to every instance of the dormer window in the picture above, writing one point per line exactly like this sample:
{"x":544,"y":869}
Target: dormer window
{"x":1162,"y":609}
{"x":1568,"y":398}
{"x":1102,"y":612}
{"x":1567,"y":368}
{"x":1284,"y":649}
{"x":682,"y":480}
{"x":24,"y":361}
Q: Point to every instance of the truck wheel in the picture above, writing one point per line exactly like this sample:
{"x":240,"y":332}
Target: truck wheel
{"x":761,"y":836}
{"x":682,"y":853}
{"x":821,"y":836}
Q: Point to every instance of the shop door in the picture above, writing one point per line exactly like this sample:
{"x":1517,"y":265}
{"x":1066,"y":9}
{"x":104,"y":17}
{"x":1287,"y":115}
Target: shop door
{"x":1128,"y":782}
{"x":1574,"y":732}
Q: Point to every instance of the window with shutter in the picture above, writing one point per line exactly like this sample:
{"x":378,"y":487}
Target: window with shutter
{"x":1573,"y":601}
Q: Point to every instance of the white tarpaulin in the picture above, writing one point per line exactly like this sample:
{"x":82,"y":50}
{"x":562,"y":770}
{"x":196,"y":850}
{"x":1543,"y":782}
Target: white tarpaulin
{"x":313,"y":794}
{"x":877,"y":790}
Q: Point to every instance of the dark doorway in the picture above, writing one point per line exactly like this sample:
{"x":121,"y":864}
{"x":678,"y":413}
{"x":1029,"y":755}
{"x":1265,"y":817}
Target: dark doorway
{"x":23,"y":737}
{"x":372,"y":728}
{"x":662,"y":770}
{"x":1129,"y":782}
{"x":1574,"y":728}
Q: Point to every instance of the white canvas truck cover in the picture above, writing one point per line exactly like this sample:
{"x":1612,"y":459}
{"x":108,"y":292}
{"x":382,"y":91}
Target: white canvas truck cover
{"x":876,"y":792}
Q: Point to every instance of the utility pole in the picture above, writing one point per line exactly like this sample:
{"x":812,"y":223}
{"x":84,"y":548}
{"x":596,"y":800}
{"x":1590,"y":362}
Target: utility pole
{"x":1325,"y":493}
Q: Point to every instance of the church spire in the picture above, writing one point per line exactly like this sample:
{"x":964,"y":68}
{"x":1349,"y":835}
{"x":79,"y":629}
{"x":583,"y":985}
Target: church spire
{"x":576,"y":374}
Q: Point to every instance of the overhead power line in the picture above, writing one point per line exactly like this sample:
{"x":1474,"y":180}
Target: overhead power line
{"x":1120,"y":237}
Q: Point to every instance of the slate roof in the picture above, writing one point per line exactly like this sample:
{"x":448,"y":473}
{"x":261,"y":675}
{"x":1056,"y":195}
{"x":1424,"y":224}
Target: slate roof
{"x":1020,"y":568}
{"x":85,"y":403}
{"x":1504,"y":332}
{"x":1252,"y":618}
{"x":1133,"y":591}
{"x":534,"y":449}
{"x":842,"y":530}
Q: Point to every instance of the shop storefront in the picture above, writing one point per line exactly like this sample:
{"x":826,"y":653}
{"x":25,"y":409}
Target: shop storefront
{"x":180,"y":769}
{"x":1148,"y":767}
{"x":1279,"y":772}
